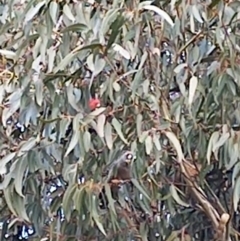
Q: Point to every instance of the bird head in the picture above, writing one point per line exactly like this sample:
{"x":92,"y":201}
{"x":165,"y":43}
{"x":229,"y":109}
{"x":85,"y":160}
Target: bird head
{"x":121,"y":168}
{"x":126,"y":158}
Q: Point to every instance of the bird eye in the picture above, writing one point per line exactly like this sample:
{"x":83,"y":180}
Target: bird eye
{"x":129,"y":157}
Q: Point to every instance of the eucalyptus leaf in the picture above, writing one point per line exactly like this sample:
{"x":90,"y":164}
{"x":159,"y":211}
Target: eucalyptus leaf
{"x":85,"y":86}
{"x":148,"y":144}
{"x":159,"y":11}
{"x":138,"y":186}
{"x":33,"y":11}
{"x":176,"y":196}
{"x":100,"y":125}
{"x":236,"y":194}
{"x":118,"y":129}
{"x":67,"y":11}
{"x":53,"y":10}
{"x":108,"y":135}
{"x":87,"y":141}
{"x":73,"y":142}
{"x":21,"y":168}
{"x":9,"y":200}
{"x":39,"y":91}
{"x":67,"y":199}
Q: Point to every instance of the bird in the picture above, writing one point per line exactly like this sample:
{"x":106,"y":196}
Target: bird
{"x":118,"y":172}
{"x":120,"y":169}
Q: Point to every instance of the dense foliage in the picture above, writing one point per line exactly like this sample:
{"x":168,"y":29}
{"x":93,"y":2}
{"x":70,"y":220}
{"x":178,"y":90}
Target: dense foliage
{"x":120,"y":120}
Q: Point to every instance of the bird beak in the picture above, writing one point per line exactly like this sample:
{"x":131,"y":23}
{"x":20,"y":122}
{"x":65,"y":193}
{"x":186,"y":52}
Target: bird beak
{"x":128,"y":161}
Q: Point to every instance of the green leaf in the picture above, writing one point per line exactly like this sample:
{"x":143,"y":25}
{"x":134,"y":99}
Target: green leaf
{"x":75,"y":28}
{"x":75,"y":136}
{"x":39,"y":91}
{"x":173,"y":236}
{"x":9,"y":200}
{"x":73,"y":142}
{"x":160,"y":12}
{"x":144,"y":3}
{"x":53,"y":10}
{"x":143,"y":60}
{"x":98,"y":66}
{"x":123,"y":52}
{"x":67,"y":11}
{"x":236,"y":194}
{"x":192,"y":89}
{"x":224,"y":137}
{"x":118,"y":128}
{"x":173,"y":139}
{"x":180,"y":67}
{"x":108,"y":135}
{"x":8,"y":54}
{"x":27,"y":145}
{"x":67,"y":200}
{"x":115,"y":27}
{"x":143,"y":136}
{"x":20,"y":207}
{"x":110,"y":198}
{"x":157,"y":142}
{"x":108,"y":20}
{"x":139,"y":124}
{"x":63,"y":64}
{"x":116,"y":86}
{"x":95,"y":64}
{"x":196,"y":13}
{"x":176,"y":197}
{"x":69,"y":173}
{"x":148,"y":144}
{"x":51,"y":52}
{"x":141,"y":190}
{"x":100,"y":125}
{"x":126,"y":74}
{"x":136,"y":81}
{"x":33,"y":11}
{"x":20,"y":172}
{"x":5,"y":160}
{"x":213,"y":140}
{"x":87,"y":141}
{"x":96,"y":216}
{"x":213,"y":3}
{"x":14,"y":104}
{"x":79,"y":199}
{"x":72,"y":98}
{"x":90,"y":62}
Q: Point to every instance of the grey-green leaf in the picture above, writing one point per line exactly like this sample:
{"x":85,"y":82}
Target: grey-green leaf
{"x":118,"y":129}
{"x":108,"y":135}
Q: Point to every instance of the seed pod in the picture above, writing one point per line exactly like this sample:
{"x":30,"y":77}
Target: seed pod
{"x":93,"y":104}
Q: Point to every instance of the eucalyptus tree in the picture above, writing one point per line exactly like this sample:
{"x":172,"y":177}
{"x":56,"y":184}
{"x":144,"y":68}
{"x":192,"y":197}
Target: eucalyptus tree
{"x":119,"y":120}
